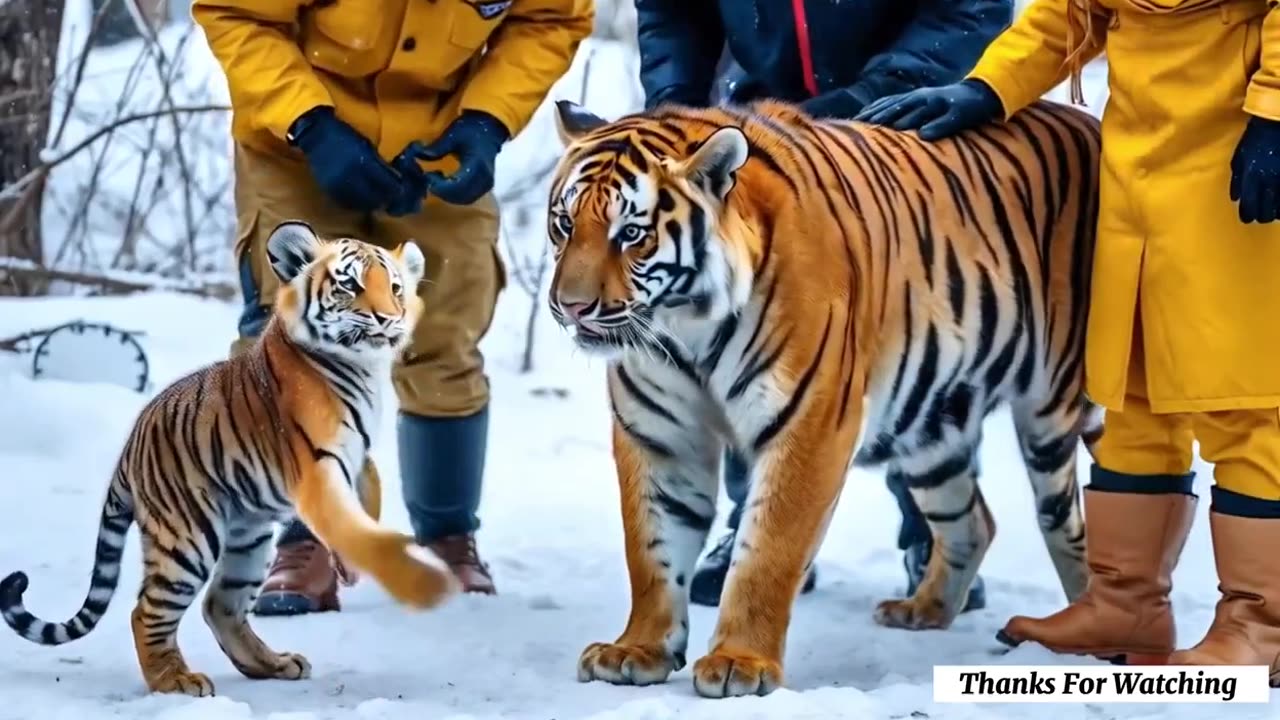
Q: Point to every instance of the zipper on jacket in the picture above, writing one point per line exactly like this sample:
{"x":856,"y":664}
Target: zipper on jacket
{"x":806,"y":50}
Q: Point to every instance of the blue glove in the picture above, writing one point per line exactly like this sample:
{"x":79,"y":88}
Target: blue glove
{"x":937,"y":112}
{"x":475,"y":138}
{"x":840,"y":104}
{"x":1255,"y":171}
{"x":343,"y":162}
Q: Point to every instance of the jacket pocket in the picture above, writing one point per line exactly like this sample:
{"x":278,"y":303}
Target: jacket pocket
{"x":350,"y":38}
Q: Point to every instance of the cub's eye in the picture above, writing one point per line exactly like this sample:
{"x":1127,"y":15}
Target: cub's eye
{"x":631,"y":233}
{"x":564,"y":224}
{"x":349,"y":284}
{"x":396,"y":288}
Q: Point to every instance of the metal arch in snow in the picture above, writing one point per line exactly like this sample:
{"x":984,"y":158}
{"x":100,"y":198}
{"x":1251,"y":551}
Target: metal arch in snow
{"x":82,"y":351}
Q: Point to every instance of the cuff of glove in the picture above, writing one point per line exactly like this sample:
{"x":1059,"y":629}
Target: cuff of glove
{"x":484,"y":124}
{"x":300,"y":129}
{"x":1010,"y":96}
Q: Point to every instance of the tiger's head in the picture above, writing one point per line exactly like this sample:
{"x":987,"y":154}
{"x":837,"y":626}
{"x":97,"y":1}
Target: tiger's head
{"x":644,"y":243}
{"x":344,"y":296}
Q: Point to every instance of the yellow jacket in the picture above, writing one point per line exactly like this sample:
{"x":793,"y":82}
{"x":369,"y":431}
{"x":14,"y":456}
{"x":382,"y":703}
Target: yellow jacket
{"x":1174,"y":265}
{"x":396,"y":70}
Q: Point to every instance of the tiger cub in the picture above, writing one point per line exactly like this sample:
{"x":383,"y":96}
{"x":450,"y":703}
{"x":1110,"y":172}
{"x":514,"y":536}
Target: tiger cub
{"x":221,"y":454}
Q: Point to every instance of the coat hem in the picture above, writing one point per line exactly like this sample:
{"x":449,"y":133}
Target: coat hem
{"x":1198,"y":405}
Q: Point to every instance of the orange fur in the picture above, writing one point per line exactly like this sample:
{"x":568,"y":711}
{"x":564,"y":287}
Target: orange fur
{"x":223,"y":452}
{"x":753,"y":275}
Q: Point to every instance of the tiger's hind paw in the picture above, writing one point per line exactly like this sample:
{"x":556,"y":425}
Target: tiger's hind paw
{"x":914,"y":613}
{"x":282,"y":666}
{"x":619,"y":664}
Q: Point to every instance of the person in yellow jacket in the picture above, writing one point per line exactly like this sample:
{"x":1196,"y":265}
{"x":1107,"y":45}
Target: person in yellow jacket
{"x":381,"y":120}
{"x":1184,"y":329}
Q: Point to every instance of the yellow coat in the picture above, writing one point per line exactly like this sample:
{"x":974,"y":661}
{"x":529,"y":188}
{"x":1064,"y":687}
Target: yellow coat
{"x":1184,"y":77}
{"x":396,"y":70}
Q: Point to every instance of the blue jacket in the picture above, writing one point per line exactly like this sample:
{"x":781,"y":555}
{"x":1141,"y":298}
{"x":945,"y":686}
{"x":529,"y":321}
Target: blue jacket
{"x":859,"y":50}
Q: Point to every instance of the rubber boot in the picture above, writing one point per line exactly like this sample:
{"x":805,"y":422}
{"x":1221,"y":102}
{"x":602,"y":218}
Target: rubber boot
{"x":442,"y":471}
{"x":1137,"y":527}
{"x":1246,"y":624}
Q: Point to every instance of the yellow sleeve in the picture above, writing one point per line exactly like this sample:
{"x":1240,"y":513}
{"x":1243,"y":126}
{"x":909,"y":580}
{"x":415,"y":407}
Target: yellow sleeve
{"x":526,"y":55}
{"x":271,"y":83}
{"x":1263,"y":96}
{"x":1029,"y":58}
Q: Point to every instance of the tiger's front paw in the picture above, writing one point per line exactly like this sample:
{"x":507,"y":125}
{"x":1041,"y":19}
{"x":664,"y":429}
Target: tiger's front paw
{"x":619,"y":664}
{"x":732,"y":674}
{"x":914,"y":613}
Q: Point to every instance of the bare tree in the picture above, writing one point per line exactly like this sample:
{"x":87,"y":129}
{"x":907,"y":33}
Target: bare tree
{"x":29,"y":31}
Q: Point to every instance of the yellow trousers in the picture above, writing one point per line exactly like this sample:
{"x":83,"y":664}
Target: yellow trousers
{"x":1243,"y":445}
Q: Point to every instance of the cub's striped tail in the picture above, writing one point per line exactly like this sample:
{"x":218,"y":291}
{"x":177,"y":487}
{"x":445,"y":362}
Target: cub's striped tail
{"x":117,"y":516}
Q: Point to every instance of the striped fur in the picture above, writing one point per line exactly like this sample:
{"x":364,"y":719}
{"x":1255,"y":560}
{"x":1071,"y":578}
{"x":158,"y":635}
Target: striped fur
{"x":783,"y":286}
{"x":221,"y":454}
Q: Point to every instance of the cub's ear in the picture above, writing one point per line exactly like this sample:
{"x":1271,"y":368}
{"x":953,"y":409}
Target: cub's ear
{"x":713,"y":165}
{"x":291,"y":247}
{"x":409,"y":255}
{"x":573,"y":121}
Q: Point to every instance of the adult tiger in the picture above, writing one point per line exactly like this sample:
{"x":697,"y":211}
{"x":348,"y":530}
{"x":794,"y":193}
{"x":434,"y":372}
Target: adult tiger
{"x":755,"y":276}
{"x":221,"y":453}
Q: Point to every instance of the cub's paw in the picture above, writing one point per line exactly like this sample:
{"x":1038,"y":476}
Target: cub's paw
{"x":732,"y":674}
{"x":627,"y":664}
{"x":914,"y":613}
{"x":184,"y":683}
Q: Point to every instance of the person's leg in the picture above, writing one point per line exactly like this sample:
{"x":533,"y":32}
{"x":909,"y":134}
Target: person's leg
{"x":443,"y":425}
{"x":1138,"y":511}
{"x":708,"y":579}
{"x":1244,"y":447}
{"x":268,"y":191}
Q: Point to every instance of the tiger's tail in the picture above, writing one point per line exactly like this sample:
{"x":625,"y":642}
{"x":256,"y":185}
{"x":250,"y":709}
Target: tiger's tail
{"x":117,"y":516}
{"x":414,"y":575}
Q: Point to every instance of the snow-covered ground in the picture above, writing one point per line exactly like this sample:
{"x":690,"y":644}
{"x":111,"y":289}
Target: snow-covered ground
{"x":552,"y":533}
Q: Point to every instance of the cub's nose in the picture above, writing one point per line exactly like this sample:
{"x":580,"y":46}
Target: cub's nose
{"x":575,"y":310}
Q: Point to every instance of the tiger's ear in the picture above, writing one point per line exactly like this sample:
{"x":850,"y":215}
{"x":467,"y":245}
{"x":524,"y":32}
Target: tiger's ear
{"x":713,"y":165}
{"x":291,"y":247}
{"x":409,"y":255}
{"x":573,"y":121}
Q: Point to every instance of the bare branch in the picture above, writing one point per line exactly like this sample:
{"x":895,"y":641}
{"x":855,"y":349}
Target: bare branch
{"x":17,"y":269}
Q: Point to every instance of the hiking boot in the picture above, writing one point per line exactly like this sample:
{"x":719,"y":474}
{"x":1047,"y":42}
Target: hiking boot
{"x":460,"y":554}
{"x":708,"y":580}
{"x":302,"y":580}
{"x":1246,"y":624}
{"x":1124,"y":614}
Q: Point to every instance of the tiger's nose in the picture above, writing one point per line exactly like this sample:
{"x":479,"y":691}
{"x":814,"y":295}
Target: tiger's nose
{"x":575,"y":310}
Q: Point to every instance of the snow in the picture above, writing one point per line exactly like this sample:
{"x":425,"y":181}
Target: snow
{"x":553,"y":536}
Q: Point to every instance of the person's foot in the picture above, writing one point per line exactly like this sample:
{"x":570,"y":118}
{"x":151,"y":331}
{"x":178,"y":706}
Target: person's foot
{"x":301,"y":580}
{"x":916,"y":558}
{"x":708,"y":580}
{"x":460,"y":554}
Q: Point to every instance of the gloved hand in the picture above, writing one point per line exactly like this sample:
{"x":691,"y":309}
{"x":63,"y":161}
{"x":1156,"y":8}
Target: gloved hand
{"x":937,"y":112}
{"x":838,"y":104}
{"x":343,"y":162}
{"x":475,"y":138}
{"x":1255,"y":171}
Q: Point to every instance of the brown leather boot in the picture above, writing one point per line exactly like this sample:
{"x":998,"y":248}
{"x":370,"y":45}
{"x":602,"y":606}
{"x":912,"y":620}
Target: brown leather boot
{"x":1134,"y":540}
{"x":460,"y":554}
{"x":302,"y":580}
{"x":1246,"y":625}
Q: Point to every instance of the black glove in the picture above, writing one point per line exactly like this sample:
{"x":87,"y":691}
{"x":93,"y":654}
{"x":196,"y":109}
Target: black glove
{"x":937,"y":112}
{"x":343,"y":162}
{"x":839,"y":104}
{"x":1255,"y":171}
{"x":475,"y":138}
